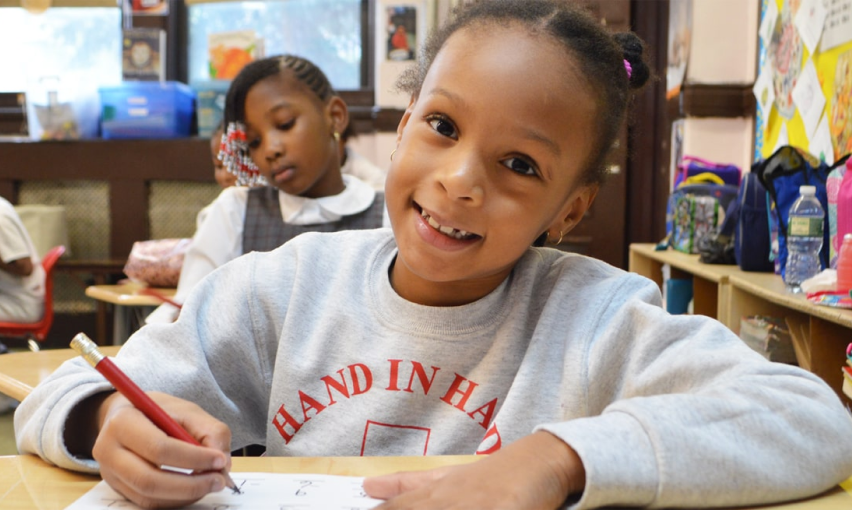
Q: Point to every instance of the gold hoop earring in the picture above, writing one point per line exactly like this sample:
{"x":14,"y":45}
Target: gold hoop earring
{"x":558,"y":242}
{"x":392,"y":153}
{"x":336,"y":136}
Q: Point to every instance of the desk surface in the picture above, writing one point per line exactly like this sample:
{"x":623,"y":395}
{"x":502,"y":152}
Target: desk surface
{"x":20,"y":372}
{"x":27,"y":483}
{"x":126,"y":294}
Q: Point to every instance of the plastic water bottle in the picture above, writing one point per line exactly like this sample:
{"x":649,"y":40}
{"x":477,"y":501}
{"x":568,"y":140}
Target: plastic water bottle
{"x":804,"y":238}
{"x":844,"y":265}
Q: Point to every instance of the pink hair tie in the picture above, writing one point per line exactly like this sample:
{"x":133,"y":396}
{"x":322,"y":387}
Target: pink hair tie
{"x":628,"y":68}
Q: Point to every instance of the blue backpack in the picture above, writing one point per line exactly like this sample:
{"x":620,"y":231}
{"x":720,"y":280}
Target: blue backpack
{"x":752,"y":243}
{"x":781,"y":174}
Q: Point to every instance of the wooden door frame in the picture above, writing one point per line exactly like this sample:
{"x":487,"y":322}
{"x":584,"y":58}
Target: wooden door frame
{"x":649,"y":133}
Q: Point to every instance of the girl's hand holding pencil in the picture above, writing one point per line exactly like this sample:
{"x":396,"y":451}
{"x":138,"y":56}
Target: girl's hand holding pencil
{"x":131,"y":450}
{"x":135,"y":452}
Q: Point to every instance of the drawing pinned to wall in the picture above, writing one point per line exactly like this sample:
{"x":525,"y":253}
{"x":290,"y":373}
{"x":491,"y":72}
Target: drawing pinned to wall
{"x":785,"y":54}
{"x":680,"y":35}
{"x":840,"y":117}
{"x":810,"y":20}
{"x":838,"y":24}
{"x":808,"y":98}
{"x":764,"y":90}
{"x":402,"y":32}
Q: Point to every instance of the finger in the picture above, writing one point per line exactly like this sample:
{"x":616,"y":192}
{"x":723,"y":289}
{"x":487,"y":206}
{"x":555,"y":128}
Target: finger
{"x":389,"y":486}
{"x":205,"y":428}
{"x":133,"y":431}
{"x":149,"y":486}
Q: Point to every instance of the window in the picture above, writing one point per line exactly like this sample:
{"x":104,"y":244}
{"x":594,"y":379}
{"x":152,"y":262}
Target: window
{"x":327,"y":32}
{"x":71,"y":51}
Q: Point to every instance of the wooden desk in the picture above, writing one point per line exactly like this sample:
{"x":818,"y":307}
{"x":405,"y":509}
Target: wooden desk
{"x":131,"y":307}
{"x":727,"y":293}
{"x":27,"y":483}
{"x":20,"y":372}
{"x":101,"y":270}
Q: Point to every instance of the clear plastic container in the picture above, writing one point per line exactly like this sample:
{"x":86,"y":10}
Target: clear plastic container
{"x":805,"y":226}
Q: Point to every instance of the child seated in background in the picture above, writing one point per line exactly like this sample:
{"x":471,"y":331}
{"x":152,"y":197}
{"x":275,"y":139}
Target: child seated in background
{"x":223,"y":177}
{"x":282,"y":139}
{"x":450,"y":334}
{"x":21,"y":274}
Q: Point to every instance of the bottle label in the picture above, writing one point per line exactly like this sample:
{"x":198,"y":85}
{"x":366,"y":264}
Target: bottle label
{"x":805,"y":227}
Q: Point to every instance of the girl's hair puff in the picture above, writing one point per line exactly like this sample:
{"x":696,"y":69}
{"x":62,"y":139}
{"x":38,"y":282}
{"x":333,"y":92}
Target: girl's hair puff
{"x":600,"y":55}
{"x":300,"y":68}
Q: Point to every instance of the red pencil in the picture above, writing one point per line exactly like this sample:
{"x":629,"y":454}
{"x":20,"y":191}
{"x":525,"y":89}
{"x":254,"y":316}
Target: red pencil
{"x":87,"y":348}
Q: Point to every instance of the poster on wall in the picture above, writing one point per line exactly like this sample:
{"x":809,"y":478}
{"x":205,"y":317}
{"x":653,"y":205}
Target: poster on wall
{"x":813,"y":90}
{"x":150,"y":7}
{"x":838,"y":24}
{"x":680,"y":34}
{"x":402,"y":32}
{"x":840,"y":116}
{"x":785,"y":54}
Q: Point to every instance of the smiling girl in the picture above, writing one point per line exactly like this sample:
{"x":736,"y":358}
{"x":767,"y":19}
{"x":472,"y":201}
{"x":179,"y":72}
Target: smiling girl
{"x":452,"y":335}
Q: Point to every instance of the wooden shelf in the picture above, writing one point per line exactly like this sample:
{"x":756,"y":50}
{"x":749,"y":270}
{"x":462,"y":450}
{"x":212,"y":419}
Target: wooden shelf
{"x":727,"y":293}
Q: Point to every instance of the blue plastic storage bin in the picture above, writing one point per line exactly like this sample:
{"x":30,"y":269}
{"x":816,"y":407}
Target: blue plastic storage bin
{"x":146,"y":110}
{"x":210,"y":105}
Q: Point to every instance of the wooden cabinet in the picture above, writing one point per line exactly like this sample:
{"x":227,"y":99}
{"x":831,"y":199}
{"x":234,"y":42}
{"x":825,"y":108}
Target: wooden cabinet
{"x":726,"y":293}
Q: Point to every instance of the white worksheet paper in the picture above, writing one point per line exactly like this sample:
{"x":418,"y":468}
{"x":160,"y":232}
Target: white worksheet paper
{"x":260,"y":491}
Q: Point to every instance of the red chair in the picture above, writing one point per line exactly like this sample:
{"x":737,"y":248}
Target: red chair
{"x":37,"y":331}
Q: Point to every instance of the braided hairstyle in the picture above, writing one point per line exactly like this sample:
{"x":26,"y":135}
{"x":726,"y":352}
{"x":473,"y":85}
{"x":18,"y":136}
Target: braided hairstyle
{"x":233,"y":149}
{"x":599,"y":54}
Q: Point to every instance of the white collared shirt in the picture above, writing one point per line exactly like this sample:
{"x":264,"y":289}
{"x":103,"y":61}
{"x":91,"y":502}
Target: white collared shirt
{"x":219,"y":236}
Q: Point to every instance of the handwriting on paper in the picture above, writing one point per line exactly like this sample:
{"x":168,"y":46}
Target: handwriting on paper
{"x":260,"y":491}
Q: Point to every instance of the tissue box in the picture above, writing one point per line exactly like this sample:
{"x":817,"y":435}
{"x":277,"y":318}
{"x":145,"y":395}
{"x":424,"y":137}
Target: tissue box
{"x":146,"y":110}
{"x":210,"y":105}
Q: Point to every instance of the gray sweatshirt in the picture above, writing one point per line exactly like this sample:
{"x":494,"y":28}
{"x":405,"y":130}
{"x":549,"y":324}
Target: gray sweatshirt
{"x":308,"y":350}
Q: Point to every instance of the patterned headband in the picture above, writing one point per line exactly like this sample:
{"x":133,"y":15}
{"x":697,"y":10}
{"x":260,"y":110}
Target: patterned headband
{"x":234,"y":155}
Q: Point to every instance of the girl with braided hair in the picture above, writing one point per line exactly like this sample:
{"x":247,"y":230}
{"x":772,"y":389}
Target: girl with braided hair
{"x":282,"y":133}
{"x":451,"y":334}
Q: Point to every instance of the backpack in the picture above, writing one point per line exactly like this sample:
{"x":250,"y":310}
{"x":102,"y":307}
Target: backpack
{"x":693,"y":212}
{"x":781,"y":174}
{"x":752,"y":243}
{"x":691,"y":166}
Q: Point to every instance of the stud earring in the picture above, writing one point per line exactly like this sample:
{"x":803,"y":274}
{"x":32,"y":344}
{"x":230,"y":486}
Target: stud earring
{"x":392,"y":153}
{"x":336,"y":136}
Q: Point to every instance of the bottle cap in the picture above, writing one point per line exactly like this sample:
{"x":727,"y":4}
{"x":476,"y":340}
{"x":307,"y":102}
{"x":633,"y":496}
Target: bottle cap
{"x":807,"y":190}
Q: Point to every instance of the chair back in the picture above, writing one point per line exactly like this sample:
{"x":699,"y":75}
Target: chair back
{"x":49,"y":264}
{"x":38,"y":330}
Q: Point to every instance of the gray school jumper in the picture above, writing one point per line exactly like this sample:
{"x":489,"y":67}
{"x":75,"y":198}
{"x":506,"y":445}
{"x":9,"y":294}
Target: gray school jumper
{"x":265,"y":230}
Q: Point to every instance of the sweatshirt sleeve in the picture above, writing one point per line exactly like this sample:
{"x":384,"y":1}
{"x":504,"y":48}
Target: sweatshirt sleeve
{"x":683,"y":414}
{"x":219,"y":354}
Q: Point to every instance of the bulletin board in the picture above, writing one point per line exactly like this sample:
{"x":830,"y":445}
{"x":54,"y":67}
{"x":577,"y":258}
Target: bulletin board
{"x":804,"y":83}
